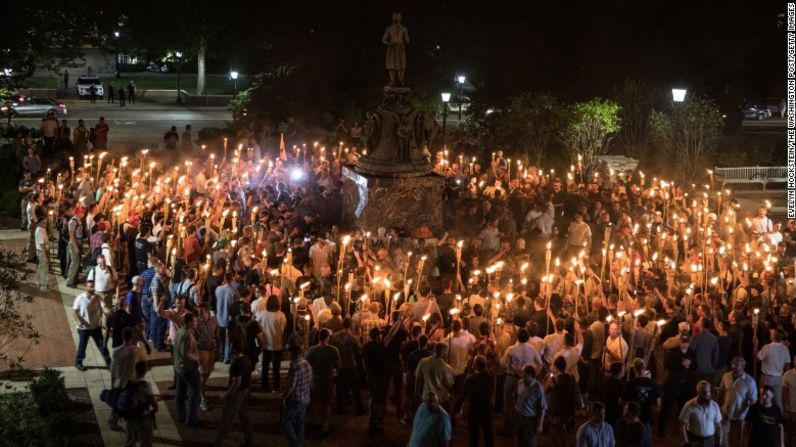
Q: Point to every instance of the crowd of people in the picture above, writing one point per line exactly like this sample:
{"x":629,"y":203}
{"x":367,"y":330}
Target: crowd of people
{"x":651,"y":309}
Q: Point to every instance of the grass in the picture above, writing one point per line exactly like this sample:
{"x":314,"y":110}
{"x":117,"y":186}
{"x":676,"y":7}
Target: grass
{"x":217,"y":84}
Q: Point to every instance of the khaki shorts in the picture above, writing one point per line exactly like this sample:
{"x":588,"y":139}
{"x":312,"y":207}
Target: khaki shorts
{"x":207,"y":361}
{"x":108,"y":305}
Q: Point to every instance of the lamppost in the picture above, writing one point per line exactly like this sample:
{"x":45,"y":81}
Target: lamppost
{"x":678,"y":94}
{"x":116,"y":34}
{"x":234,"y":76}
{"x":678,"y":97}
{"x":178,"y":54}
{"x":445,"y":98}
{"x":461,"y":80}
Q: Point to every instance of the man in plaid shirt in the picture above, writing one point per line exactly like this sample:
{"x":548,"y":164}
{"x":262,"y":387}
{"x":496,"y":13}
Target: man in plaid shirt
{"x":296,"y":398}
{"x":369,"y":319}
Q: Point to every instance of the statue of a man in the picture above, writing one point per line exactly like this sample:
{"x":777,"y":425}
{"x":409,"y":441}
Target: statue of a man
{"x":396,"y":37}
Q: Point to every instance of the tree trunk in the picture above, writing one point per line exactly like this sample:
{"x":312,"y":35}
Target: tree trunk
{"x":201,"y":88}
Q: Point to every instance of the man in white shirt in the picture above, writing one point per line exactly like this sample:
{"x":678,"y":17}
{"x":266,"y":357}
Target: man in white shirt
{"x":775,"y":237}
{"x":579,"y":235}
{"x":88,"y":313}
{"x":571,"y":354}
{"x":554,"y":342}
{"x":700,"y":418}
{"x":321,"y":254}
{"x":761,"y":224}
{"x":104,"y":283}
{"x":615,"y":347}
{"x":105,"y":249}
{"x":514,"y":359}
{"x":123,"y":360}
{"x":42,"y":255}
{"x":737,"y":392}
{"x":789,"y":401}
{"x":774,"y":357}
{"x":459,"y":343}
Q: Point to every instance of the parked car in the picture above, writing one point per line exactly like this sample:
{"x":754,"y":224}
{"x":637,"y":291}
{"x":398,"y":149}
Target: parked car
{"x":755,"y":112}
{"x":85,"y":82}
{"x":32,"y":106}
{"x":776,"y":105}
{"x":453,"y":106}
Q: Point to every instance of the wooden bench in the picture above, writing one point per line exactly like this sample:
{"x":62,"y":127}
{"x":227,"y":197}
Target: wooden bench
{"x":752,"y":174}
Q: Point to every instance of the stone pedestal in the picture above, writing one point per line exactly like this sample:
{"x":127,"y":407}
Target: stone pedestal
{"x":373,"y":201}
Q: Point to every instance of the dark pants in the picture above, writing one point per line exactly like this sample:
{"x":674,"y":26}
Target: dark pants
{"x":500,"y":379}
{"x":478,"y":420}
{"x":48,"y":144}
{"x":272,"y":360}
{"x":235,"y":408}
{"x":697,"y":441}
{"x":673,"y":396}
{"x":157,"y":325}
{"x":148,"y":311}
{"x":224,"y":354}
{"x":31,"y":251}
{"x":292,"y":420}
{"x":188,"y":383}
{"x":377,"y":387}
{"x":83,"y":336}
{"x":62,"y":256}
{"x":525,"y":429}
{"x":395,"y":378}
{"x":509,"y":398}
{"x":595,"y":378}
{"x":346,"y":380}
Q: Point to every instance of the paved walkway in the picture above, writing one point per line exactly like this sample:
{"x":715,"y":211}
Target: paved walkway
{"x":55,"y":321}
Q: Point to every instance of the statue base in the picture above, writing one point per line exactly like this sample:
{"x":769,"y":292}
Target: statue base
{"x":397,"y":134}
{"x":372,"y":201}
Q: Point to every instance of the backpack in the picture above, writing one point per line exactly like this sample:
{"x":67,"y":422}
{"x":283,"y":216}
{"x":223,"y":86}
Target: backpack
{"x":129,"y":403}
{"x":185,"y":293}
{"x":90,"y":261}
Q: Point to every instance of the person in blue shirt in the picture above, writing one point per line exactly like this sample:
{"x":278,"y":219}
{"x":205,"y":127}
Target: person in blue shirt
{"x":146,"y":297}
{"x":225,"y":297}
{"x":432,"y":425}
{"x":133,"y":299}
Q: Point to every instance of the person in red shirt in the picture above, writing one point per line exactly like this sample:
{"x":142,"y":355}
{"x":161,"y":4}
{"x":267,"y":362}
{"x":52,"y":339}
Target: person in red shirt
{"x":192,"y":251}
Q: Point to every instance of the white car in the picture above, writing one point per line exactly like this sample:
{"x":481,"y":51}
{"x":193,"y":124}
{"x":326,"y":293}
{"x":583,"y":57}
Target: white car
{"x":85,"y":82}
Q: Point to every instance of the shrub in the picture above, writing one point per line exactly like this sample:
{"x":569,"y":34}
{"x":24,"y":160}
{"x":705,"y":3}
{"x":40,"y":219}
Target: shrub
{"x":49,"y":392}
{"x":19,"y":424}
{"x":9,"y":203}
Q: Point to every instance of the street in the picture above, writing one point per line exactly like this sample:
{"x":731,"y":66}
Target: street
{"x":139,"y":125}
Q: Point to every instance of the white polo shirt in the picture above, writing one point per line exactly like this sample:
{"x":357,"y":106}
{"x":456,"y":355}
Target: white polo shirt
{"x":103,"y":279}
{"x":700,"y":420}
{"x":774,"y":357}
{"x":41,"y":238}
{"x":89,"y":309}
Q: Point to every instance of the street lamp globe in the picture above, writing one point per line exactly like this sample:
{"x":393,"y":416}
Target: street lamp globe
{"x":178,"y":54}
{"x":116,"y":34}
{"x":461,"y":79}
{"x":678,"y":94}
{"x":233,"y":75}
{"x":446,"y":96}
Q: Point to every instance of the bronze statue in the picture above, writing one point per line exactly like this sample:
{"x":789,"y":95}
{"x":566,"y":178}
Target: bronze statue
{"x":396,"y":37}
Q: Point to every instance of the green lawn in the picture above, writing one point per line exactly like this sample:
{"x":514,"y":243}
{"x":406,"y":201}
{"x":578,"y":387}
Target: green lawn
{"x":217,"y":84}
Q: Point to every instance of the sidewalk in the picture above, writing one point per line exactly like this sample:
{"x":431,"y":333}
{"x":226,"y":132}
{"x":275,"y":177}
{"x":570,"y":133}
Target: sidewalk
{"x":96,"y":377}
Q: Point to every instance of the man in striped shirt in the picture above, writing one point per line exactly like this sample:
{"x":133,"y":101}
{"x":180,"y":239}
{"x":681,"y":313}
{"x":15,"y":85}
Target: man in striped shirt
{"x":146,"y":298}
{"x":296,"y":398}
